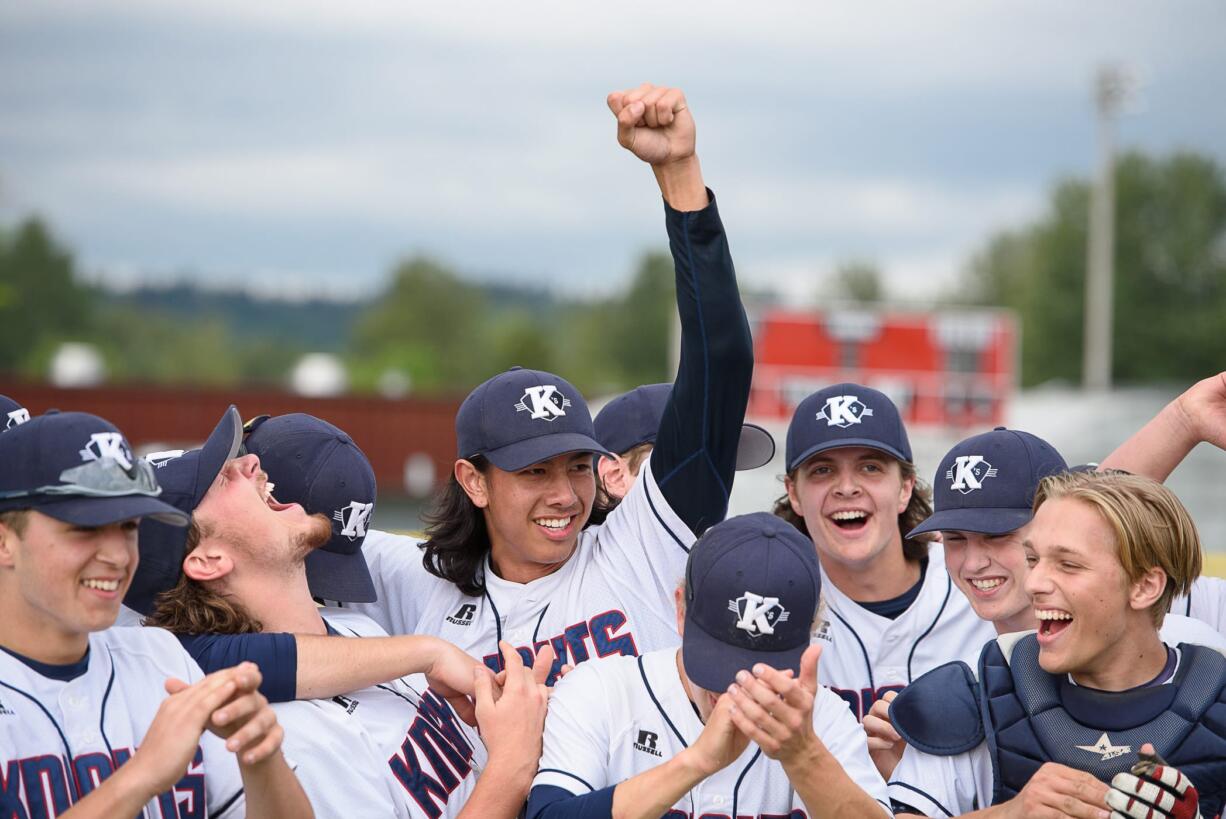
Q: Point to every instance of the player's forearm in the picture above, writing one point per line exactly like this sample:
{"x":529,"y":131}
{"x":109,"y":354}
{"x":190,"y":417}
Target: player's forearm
{"x":272,"y":790}
{"x":826,"y":789}
{"x":124,"y":793}
{"x":650,"y":794}
{"x":332,"y":666}
{"x":1156,"y":448}
{"x":502,"y":790}
{"x":681,"y":184}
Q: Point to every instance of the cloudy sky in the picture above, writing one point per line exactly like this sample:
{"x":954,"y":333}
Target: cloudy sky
{"x":307,"y":144}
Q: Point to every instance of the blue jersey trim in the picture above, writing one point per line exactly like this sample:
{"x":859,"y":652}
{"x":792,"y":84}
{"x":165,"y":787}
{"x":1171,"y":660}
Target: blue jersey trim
{"x":660,"y":708}
{"x":578,"y":779}
{"x":652,"y":505}
{"x":927,"y":796}
{"x":949,"y":585}
{"x":868,"y":665}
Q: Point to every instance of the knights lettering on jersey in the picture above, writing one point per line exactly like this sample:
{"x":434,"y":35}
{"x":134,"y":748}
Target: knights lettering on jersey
{"x":43,"y":786}
{"x":435,"y":738}
{"x":571,"y":646}
{"x":862,"y":701}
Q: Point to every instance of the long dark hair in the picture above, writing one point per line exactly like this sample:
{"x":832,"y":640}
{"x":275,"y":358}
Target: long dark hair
{"x":457,"y":539}
{"x":918,"y":510}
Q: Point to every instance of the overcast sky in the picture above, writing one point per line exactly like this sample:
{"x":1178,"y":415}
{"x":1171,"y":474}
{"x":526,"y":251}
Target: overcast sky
{"x":308,"y":144}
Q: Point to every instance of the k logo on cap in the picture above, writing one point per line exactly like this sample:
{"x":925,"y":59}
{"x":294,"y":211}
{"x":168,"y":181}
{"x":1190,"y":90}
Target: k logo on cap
{"x":107,"y":445}
{"x":843,"y":411}
{"x":17,"y":417}
{"x":354,"y":519}
{"x":968,"y":473}
{"x":757,"y":614}
{"x":543,"y":402}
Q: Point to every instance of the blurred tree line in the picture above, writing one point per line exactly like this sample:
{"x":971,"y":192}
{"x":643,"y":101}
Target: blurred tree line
{"x":440,"y":332}
{"x":1170,"y":274}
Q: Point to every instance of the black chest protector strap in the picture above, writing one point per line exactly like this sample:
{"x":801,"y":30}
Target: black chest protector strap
{"x":1031,"y":717}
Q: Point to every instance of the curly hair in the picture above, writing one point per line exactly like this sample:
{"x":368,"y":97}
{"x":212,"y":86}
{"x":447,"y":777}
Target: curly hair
{"x":918,"y":510}
{"x":193,"y":608}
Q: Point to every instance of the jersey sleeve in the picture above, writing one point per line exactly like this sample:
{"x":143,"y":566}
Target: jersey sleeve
{"x":1206,"y":602}
{"x":845,"y":739}
{"x":942,"y":785}
{"x":575,"y":755}
{"x":275,"y":654}
{"x":222,"y":781}
{"x":695,"y":448}
{"x":395,"y":563}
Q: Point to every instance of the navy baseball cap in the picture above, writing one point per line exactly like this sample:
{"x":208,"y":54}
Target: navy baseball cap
{"x":987,"y":483}
{"x":79,"y":468}
{"x":522,"y":417}
{"x":846,"y":415}
{"x":185,"y":478}
{"x":752,"y":589}
{"x":11,"y":413}
{"x":633,"y":418}
{"x":317,"y":465}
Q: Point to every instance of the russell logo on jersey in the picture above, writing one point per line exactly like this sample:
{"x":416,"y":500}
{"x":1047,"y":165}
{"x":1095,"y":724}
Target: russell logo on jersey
{"x":647,"y":743}
{"x":463,"y":615}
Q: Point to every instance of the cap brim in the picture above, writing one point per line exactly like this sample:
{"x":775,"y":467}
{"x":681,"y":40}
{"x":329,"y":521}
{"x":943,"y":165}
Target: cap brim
{"x":90,"y":511}
{"x":712,"y":664}
{"x":222,"y":444}
{"x":843,"y":443}
{"x":756,"y":448}
{"x":344,"y":578}
{"x":522,"y":454}
{"x":984,"y":520}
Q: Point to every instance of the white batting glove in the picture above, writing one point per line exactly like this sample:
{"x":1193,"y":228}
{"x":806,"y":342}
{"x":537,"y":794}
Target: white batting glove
{"x":1153,"y":790}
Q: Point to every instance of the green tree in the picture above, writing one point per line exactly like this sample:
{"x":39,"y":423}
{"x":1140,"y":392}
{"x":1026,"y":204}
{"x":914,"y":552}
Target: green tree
{"x":640,"y":324}
{"x":40,"y":299}
{"x":1170,"y":274}
{"x":858,"y":281}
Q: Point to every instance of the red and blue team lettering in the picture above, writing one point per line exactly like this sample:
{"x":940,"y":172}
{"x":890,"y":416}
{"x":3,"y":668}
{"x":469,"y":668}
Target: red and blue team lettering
{"x":570,"y":647}
{"x":435,"y":735}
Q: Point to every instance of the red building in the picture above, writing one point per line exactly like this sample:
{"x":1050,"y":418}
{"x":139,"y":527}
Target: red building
{"x":953,"y":367}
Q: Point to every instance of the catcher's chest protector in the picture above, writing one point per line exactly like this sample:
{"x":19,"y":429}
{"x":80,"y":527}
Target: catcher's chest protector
{"x":1031,"y":717}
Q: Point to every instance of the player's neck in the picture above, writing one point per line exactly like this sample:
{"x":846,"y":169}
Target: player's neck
{"x":281,"y":603}
{"x":506,"y":566}
{"x":1135,"y":659}
{"x":1024,"y":620}
{"x":885,"y":576}
{"x":32,"y":634}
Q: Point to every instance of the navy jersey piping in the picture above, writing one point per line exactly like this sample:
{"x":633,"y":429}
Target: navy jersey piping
{"x":663,"y":713}
{"x":923,"y":794}
{"x":868,"y":665}
{"x":652,"y":505}
{"x":736,"y":789}
{"x":949,"y":585}
{"x":579,"y":779}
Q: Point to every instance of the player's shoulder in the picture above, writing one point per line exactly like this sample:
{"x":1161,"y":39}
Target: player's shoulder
{"x":350,"y":622}
{"x":380,"y":544}
{"x":602,"y":676}
{"x":148,"y":645}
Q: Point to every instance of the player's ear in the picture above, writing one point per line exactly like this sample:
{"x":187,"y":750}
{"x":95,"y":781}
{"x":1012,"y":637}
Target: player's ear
{"x":905,"y":491}
{"x":203,"y":564}
{"x":1144,"y":593}
{"x":614,"y":475}
{"x":8,"y":545}
{"x":473,"y":482}
{"x":793,"y":496}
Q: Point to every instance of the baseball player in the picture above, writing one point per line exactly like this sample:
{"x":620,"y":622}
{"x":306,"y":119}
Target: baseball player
{"x":11,"y":413}
{"x":627,"y":427}
{"x":1053,"y":715}
{"x":892,"y":610}
{"x":244,"y":571}
{"x":981,"y":523}
{"x":510,"y":554}
{"x":734,"y":722}
{"x":96,"y":721}
{"x":1197,"y":415}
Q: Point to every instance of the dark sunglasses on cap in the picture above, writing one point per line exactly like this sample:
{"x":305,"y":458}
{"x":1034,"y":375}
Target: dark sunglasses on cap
{"x":104,"y":478}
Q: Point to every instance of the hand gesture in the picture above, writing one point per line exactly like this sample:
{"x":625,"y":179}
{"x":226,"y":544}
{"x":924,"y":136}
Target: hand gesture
{"x":1202,"y":408}
{"x":1153,"y":790}
{"x":885,"y":746}
{"x":1057,"y":791}
{"x":246,"y":721}
{"x":775,"y":710}
{"x":450,"y":675}
{"x":653,"y":123}
{"x":511,"y":720}
{"x":720,"y":743}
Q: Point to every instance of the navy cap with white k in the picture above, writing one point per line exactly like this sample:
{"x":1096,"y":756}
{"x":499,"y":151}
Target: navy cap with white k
{"x":986,"y":483}
{"x":317,"y":465}
{"x":80,"y":469}
{"x":633,"y":418}
{"x":846,"y":415}
{"x":522,"y":417}
{"x":11,"y":413}
{"x":752,"y":589}
{"x":185,"y":479}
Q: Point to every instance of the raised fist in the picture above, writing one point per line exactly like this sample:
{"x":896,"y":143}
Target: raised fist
{"x":654,"y":123}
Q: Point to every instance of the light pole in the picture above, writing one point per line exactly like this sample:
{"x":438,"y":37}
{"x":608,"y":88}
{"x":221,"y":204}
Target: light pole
{"x":1112,"y":88}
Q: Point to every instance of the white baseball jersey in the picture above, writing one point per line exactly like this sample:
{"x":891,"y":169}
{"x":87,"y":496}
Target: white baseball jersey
{"x":614,"y":596}
{"x":392,"y":750}
{"x":611,"y":720}
{"x":1206,"y":602}
{"x":960,"y":783}
{"x":866,"y":655}
{"x":59,"y":740}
